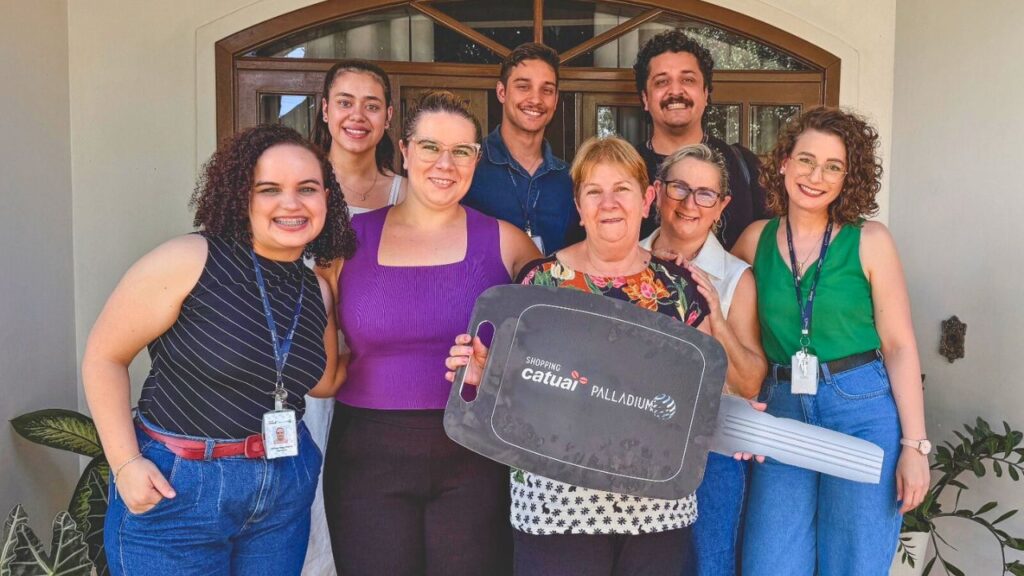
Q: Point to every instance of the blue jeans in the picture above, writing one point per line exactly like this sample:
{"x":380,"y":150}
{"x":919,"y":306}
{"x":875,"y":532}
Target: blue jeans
{"x":230,"y":516}
{"x":801,"y":522}
{"x":720,"y":506}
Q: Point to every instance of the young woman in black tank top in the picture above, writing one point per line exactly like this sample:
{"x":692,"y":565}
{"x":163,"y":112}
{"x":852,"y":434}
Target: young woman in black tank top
{"x":231,"y":316}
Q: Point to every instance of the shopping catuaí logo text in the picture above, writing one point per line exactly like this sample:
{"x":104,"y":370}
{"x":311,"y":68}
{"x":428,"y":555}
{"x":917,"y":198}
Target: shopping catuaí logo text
{"x":548,"y":373}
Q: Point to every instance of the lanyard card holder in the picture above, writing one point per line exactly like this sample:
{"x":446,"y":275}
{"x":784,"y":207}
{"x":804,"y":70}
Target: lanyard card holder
{"x":804,"y":378}
{"x":280,"y":434}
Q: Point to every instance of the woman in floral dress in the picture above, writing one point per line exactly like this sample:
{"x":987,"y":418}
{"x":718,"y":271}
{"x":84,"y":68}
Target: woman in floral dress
{"x":565,"y":529}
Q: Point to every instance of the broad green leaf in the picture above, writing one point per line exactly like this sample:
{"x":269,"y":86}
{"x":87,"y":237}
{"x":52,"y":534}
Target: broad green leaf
{"x":928,"y":566}
{"x":61,"y":429}
{"x":9,"y":543}
{"x":1013,"y":473}
{"x":69,"y":554}
{"x":89,"y":507}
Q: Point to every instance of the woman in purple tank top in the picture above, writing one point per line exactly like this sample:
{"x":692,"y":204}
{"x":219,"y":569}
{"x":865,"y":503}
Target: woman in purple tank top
{"x":401,"y":498}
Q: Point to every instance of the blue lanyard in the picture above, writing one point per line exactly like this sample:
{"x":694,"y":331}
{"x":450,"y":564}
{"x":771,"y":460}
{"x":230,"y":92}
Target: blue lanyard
{"x":282,"y":346}
{"x":806,"y":307}
{"x":525,"y":205}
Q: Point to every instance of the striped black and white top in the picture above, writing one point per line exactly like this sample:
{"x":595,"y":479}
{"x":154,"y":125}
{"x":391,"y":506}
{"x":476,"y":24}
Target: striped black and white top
{"x":213,"y":371}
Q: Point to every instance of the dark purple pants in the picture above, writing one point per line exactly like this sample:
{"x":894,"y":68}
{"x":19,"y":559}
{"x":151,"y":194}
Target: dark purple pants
{"x":658,"y":554}
{"x":403,"y":499}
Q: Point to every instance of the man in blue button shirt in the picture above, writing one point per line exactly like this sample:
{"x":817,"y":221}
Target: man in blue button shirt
{"x":518,"y":179}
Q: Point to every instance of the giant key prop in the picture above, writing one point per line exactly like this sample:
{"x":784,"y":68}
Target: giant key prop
{"x":600,"y":393}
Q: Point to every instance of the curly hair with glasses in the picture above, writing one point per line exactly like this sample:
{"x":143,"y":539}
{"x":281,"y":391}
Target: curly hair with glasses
{"x":863,"y":177}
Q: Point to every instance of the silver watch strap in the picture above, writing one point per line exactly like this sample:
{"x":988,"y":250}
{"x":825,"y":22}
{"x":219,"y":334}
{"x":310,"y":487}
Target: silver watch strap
{"x":741,"y":428}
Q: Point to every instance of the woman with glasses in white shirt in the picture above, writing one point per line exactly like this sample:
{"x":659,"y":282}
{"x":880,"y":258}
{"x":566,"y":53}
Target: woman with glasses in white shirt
{"x":692,"y":190}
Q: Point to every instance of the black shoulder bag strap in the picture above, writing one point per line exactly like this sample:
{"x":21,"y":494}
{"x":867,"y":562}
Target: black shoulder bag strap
{"x":734,"y":148}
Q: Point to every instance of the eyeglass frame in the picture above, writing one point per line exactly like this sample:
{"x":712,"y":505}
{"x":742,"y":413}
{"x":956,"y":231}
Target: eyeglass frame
{"x":807,"y":165}
{"x":445,"y":148}
{"x":692,"y":192}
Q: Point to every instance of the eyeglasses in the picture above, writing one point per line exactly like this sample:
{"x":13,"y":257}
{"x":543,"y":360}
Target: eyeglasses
{"x":830,"y":171}
{"x":679,"y":190}
{"x":430,"y":151}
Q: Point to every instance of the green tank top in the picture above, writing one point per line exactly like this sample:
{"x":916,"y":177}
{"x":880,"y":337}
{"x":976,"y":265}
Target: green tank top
{"x":843,"y":321}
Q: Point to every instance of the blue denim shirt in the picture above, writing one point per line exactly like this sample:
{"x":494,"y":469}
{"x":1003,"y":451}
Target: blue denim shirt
{"x":541,"y":204}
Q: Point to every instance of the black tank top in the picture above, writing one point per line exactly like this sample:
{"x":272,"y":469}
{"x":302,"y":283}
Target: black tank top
{"x":213,"y":371}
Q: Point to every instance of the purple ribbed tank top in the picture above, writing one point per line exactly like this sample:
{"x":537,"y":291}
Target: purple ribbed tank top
{"x":400,"y":321}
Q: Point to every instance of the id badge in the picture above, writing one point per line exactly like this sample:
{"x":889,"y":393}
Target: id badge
{"x":539,"y":242}
{"x":280,"y":434}
{"x":804,"y":373}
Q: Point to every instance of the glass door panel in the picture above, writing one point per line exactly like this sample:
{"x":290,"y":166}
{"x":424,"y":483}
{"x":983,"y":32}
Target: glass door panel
{"x":604,"y":114}
{"x":723,"y":121}
{"x":765,"y":124}
{"x":292,"y":110}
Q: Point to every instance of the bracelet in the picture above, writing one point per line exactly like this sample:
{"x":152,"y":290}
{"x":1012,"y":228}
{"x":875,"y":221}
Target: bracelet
{"x":126,"y":462}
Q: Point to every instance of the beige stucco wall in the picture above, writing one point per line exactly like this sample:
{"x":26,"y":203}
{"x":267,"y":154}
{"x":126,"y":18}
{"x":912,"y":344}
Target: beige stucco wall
{"x":37,"y":333}
{"x":956,"y":207}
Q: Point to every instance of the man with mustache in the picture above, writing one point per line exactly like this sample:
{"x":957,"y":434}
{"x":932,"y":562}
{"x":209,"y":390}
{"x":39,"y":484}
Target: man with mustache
{"x":673,"y":78}
{"x":518,"y":179}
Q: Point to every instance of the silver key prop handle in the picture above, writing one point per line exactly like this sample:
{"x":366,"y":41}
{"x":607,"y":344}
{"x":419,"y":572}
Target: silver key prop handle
{"x":741,"y":428}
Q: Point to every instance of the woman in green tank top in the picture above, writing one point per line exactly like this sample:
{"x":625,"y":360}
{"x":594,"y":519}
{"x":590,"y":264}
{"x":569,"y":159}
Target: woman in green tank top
{"x":831,"y":291}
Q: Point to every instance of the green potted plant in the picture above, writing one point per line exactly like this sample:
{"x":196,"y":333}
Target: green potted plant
{"x":22,"y":553}
{"x":975,"y":452}
{"x":74,"y":432}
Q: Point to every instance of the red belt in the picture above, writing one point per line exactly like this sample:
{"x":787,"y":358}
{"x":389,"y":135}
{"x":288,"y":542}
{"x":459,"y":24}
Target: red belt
{"x":250,"y":447}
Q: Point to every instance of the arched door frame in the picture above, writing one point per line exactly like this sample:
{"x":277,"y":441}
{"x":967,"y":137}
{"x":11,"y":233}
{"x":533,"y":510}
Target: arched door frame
{"x":228,"y":49}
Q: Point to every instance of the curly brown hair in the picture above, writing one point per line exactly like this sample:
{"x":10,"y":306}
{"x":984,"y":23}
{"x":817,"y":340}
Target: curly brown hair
{"x":224,"y":190}
{"x":864,"y":168}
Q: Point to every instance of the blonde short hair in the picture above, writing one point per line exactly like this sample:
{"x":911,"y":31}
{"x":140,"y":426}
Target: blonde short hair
{"x":698,"y":152}
{"x":607,"y":150}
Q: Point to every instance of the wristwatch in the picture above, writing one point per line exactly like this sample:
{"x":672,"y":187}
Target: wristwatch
{"x":922,"y":446}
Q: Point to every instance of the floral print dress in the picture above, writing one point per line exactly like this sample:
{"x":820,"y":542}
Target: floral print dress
{"x":541,"y":505}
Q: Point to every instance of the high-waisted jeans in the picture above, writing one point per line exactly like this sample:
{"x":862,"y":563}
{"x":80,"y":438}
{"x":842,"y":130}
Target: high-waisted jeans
{"x":801,"y":522}
{"x":230,"y":516}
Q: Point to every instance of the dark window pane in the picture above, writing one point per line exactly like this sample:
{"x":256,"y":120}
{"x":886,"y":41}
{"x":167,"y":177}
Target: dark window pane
{"x":765,"y":124}
{"x":397,"y":35}
{"x":509,"y":22}
{"x":568,"y":23}
{"x":292,"y":110}
{"x":730,"y":51}
{"x":723,"y":121}
{"x":629,"y":122}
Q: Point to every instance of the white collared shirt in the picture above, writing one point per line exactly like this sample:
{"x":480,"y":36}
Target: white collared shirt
{"x":724,"y":269}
